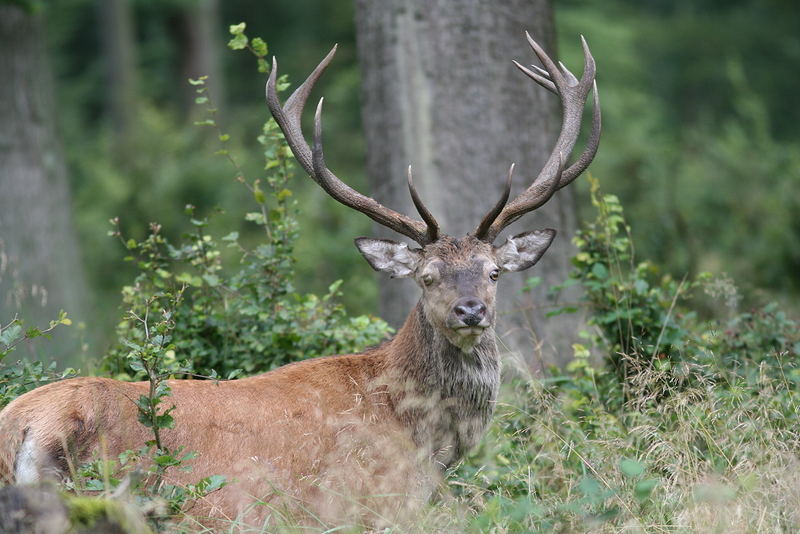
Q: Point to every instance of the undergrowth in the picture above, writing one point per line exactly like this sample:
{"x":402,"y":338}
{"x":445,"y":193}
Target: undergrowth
{"x":661,"y":423}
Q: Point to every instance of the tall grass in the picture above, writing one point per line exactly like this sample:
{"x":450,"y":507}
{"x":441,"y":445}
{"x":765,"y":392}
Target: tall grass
{"x":662,"y":423}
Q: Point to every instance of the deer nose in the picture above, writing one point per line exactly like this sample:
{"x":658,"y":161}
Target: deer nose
{"x":469,"y":310}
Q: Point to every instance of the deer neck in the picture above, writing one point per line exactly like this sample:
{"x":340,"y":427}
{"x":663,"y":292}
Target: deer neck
{"x":444,"y":395}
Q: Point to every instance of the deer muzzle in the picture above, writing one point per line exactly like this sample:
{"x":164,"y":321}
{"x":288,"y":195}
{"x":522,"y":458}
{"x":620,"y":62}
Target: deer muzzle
{"x":468,"y":315}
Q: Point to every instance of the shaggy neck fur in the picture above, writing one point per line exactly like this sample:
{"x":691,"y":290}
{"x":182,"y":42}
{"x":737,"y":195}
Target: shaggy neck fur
{"x":445,"y":395}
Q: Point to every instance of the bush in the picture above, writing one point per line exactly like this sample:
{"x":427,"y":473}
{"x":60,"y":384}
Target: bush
{"x":22,"y":376}
{"x":239,"y":310}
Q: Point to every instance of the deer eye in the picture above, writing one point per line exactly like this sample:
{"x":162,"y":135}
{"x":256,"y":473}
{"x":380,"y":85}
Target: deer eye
{"x":494,"y":275}
{"x":427,"y":279}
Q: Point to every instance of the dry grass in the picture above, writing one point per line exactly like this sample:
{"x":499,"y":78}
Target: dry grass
{"x":691,"y":457}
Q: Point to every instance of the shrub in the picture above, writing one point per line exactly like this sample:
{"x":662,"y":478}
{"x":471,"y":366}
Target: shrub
{"x":239,"y":311}
{"x":21,"y":376}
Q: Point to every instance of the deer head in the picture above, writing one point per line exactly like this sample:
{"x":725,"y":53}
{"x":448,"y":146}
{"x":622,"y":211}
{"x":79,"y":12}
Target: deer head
{"x":458,"y":277}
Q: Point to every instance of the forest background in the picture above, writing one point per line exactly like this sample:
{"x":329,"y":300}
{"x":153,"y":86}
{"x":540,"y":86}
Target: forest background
{"x":678,"y":412}
{"x":701,"y":138}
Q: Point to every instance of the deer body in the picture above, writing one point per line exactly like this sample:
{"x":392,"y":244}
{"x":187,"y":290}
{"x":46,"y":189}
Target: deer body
{"x":332,"y":435}
{"x":426,"y":403}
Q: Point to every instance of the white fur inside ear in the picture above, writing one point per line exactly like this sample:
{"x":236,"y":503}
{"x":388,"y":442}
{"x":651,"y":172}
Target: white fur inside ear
{"x":522,"y":251}
{"x":390,"y":257}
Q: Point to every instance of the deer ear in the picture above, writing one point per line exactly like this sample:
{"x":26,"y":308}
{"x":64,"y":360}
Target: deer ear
{"x":523,"y":250}
{"x":390,"y":257}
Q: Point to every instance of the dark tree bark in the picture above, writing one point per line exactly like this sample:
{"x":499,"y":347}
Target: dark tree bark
{"x":40,"y":269}
{"x":439,"y":92}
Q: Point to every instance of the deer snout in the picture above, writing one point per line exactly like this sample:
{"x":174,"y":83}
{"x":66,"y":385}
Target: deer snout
{"x":469,"y":311}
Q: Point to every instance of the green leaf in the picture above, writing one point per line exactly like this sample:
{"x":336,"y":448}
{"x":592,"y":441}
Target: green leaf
{"x":236,"y":29}
{"x":165,"y":460}
{"x":239,"y":42}
{"x":255,"y":217}
{"x":10,"y":334}
{"x":187,"y":278}
{"x":259,"y":46}
{"x":92,"y":484}
{"x":258,"y":194}
{"x":532,"y":282}
{"x":600,"y":271}
{"x":215,"y":482}
{"x":561,"y":311}
{"x":641,"y":286}
{"x":165,"y":421}
{"x":33,"y":332}
{"x":631,"y":468}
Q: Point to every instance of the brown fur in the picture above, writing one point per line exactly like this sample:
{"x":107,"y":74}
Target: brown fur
{"x":11,"y":436}
{"x":356,"y":425}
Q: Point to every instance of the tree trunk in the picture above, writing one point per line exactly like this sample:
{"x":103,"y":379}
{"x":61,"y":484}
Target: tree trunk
{"x":40,"y":270}
{"x":198,"y":43}
{"x":119,"y":50}
{"x":439,"y":92}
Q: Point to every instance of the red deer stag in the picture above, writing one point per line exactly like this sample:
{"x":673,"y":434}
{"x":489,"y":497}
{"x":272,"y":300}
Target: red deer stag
{"x":330,"y":434}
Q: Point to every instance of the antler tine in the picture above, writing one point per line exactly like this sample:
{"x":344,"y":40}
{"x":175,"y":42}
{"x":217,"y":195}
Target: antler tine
{"x":489,"y":218}
{"x":544,"y":190}
{"x":552,"y":69}
{"x":288,"y":116}
{"x":570,"y":77}
{"x":553,"y":176}
{"x":537,"y":76}
{"x":589,"y":69}
{"x":351,"y":198}
{"x":313,"y":162}
{"x":433,"y":226}
{"x":592,"y":144}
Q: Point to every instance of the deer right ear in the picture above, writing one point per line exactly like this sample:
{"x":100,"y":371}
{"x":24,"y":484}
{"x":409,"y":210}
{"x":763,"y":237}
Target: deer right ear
{"x":390,"y":257}
{"x":523,"y":250}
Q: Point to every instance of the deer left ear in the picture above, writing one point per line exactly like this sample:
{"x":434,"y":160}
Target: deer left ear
{"x":522,"y":251}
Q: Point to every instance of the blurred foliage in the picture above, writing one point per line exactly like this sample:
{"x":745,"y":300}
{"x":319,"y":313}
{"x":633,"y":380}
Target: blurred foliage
{"x":244,"y":314}
{"x":173,"y":161}
{"x":700,"y":140}
{"x":643,"y":321}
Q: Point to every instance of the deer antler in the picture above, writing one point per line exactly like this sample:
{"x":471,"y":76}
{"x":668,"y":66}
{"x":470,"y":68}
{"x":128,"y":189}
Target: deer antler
{"x":573,"y":93}
{"x":313,"y":160}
